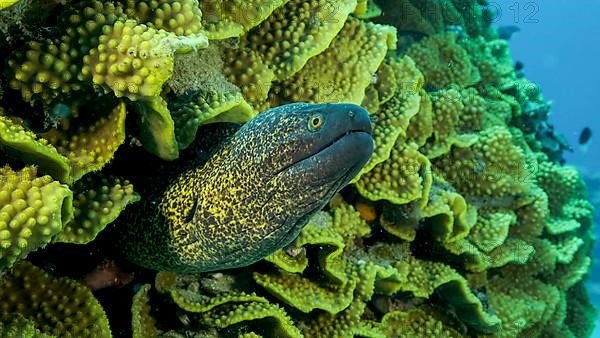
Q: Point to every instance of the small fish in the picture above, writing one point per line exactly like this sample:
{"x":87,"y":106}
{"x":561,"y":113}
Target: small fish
{"x":60,"y":111}
{"x":519,"y":69}
{"x":519,"y":65}
{"x":457,"y":29}
{"x":585,"y":136}
{"x":584,"y":139}
{"x":506,"y":32}
{"x":374,"y":79}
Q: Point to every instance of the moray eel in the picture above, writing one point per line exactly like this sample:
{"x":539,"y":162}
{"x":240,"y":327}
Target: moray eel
{"x":250,"y":196}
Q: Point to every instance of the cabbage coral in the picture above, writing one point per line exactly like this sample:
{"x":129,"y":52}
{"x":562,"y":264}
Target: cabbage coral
{"x":458,"y":226}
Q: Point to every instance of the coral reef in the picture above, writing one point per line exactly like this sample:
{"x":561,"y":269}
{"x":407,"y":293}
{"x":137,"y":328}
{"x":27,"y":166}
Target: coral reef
{"x":464,"y":223}
{"x":57,"y":307}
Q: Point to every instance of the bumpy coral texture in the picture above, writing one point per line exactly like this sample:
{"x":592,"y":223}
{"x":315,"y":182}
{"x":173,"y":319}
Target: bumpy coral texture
{"x":57,"y":306}
{"x":458,"y":226}
{"x":33,"y":210}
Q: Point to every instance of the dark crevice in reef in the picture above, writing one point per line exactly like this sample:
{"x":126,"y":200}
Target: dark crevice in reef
{"x":427,"y":247}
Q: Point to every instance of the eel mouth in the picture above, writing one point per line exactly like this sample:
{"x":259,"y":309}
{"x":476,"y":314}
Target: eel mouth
{"x":340,"y":137}
{"x":349,"y":149}
{"x":361,"y":138}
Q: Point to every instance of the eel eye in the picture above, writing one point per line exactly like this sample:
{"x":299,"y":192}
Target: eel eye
{"x":315,"y":122}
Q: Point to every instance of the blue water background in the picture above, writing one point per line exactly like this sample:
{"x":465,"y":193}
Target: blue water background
{"x":559,"y":43}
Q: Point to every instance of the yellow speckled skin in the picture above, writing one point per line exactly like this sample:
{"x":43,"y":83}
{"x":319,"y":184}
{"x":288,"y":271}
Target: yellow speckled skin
{"x":253,"y":194}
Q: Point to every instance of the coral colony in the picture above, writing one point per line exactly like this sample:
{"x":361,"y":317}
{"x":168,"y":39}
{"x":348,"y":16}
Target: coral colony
{"x":460,"y":223}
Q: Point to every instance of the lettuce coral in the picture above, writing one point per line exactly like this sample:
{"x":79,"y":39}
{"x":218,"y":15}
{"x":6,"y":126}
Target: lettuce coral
{"x":142,"y":323}
{"x":297,"y":31}
{"x":90,"y":147}
{"x":462,"y":223}
{"x":58,"y":306}
{"x":33,"y":210}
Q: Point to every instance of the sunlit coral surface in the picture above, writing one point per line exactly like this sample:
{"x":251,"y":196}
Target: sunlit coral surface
{"x":460,"y":225}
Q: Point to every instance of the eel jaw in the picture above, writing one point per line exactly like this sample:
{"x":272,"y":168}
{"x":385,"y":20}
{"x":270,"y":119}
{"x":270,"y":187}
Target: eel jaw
{"x":344,"y":156}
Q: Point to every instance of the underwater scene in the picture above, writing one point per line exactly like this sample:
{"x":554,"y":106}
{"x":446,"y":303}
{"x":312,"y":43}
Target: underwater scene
{"x":298,"y":168}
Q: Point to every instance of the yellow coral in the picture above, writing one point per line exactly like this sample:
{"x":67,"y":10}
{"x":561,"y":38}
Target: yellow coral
{"x":491,"y":229}
{"x":305,"y":295}
{"x":343,"y":71}
{"x":89,"y":149}
{"x":30,"y":148}
{"x":431,"y":17}
{"x":51,"y":69}
{"x":142,"y":323}
{"x":15,"y":325}
{"x":158,"y":129}
{"x":247,"y":70}
{"x":182,"y":17}
{"x":444,"y":62}
{"x":493,"y":60}
{"x":349,"y":221}
{"x":203,"y":108}
{"x":97,"y":203}
{"x":420,"y":322}
{"x":7,"y":3}
{"x":403,"y":178}
{"x":451,"y":217}
{"x":135,"y":60}
{"x":421,"y":125}
{"x":390,"y":127}
{"x":492,"y":167}
{"x":298,"y":31}
{"x":32,"y":211}
{"x":226,"y":19}
{"x":58,"y":306}
{"x":226,"y":316}
{"x":447,"y":106}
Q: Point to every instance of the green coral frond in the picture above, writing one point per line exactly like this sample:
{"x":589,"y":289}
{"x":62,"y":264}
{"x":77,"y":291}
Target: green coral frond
{"x":158,"y":129}
{"x":143,"y":325}
{"x":33,"y":209}
{"x":343,"y":71}
{"x":227,"y":19}
{"x":97,"y":203}
{"x":91,"y":148}
{"x":298,"y":31}
{"x":277,"y":319}
{"x":72,"y":309}
{"x":30,"y":148}
{"x":204,"y":108}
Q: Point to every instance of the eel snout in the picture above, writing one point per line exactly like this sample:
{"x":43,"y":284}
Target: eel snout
{"x":341,"y":148}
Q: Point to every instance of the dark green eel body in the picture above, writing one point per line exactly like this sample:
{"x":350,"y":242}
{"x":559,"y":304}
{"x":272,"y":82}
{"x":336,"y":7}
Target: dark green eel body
{"x":251,"y":195}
